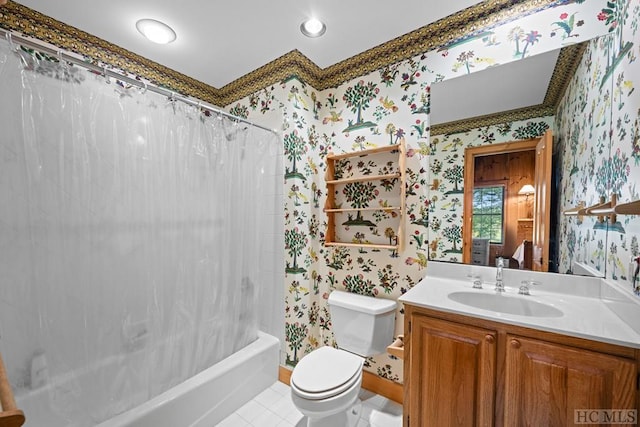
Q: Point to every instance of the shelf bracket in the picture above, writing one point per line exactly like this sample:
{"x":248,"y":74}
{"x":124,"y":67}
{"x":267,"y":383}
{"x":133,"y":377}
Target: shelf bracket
{"x":604,"y":209}
{"x":577,"y":211}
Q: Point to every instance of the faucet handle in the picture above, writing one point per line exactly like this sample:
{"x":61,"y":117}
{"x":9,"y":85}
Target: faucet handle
{"x":524,"y":287}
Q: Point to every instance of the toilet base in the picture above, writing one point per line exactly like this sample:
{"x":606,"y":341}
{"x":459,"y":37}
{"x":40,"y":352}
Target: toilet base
{"x":348,"y":418}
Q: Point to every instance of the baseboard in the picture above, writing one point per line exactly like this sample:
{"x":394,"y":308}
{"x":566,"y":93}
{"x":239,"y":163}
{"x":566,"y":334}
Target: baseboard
{"x":284,"y":375}
{"x":375,"y":384}
{"x":382,"y":386}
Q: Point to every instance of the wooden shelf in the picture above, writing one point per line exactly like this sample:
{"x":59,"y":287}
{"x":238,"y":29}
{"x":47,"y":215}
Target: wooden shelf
{"x":525,"y":219}
{"x":376,"y":150}
{"x":397,"y":347}
{"x":338,"y":210}
{"x":330,"y":203}
{"x":363,"y":179}
{"x":608,"y":209}
{"x":604,"y":208}
{"x":361,"y":245}
{"x":574,"y":211}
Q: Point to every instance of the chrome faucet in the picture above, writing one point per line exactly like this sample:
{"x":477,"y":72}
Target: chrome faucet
{"x":499,"y":284}
{"x":526,"y":285}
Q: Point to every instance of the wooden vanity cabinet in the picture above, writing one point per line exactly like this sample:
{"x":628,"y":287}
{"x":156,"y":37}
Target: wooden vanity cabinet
{"x":545,"y":382}
{"x":464,"y":371}
{"x":457,"y":366}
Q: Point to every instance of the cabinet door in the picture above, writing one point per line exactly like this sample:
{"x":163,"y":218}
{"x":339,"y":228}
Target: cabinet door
{"x":453,"y":370}
{"x":545,"y":383}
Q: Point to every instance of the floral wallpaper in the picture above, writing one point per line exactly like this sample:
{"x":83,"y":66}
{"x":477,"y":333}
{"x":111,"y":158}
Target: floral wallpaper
{"x":382,"y":108}
{"x":583,"y":123}
{"x":623,"y":163}
{"x":600,"y":138}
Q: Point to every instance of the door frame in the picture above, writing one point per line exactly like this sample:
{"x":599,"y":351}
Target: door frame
{"x":470,"y":154}
{"x":542,"y":202}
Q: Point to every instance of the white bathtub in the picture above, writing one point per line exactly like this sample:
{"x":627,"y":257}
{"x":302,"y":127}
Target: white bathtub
{"x":583,"y":269}
{"x":201,"y":401}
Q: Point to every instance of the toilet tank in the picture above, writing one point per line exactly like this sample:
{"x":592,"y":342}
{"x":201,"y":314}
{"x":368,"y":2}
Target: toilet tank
{"x":361,"y":324}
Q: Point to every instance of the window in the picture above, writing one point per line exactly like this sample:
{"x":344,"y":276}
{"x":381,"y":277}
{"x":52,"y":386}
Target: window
{"x":488,"y":213}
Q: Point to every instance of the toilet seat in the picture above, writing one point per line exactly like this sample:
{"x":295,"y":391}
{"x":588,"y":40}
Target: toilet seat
{"x":326,"y":372}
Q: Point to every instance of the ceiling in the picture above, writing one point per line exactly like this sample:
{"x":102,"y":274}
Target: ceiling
{"x":219,"y":42}
{"x":494,"y":90}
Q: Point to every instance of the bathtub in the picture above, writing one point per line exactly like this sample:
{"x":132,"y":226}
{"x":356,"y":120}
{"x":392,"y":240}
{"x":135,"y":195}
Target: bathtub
{"x":583,"y":269}
{"x":201,"y":401}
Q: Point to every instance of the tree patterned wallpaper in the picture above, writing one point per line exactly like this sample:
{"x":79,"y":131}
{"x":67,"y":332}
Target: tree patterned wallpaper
{"x":377,"y":109}
{"x":599,"y":135}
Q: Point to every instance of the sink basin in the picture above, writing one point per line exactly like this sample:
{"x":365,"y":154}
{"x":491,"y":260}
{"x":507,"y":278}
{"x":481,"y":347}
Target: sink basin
{"x":521,"y":306}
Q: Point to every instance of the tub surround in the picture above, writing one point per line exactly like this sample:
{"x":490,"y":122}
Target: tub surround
{"x":592,"y":308}
{"x":202,"y":400}
{"x":209,"y":397}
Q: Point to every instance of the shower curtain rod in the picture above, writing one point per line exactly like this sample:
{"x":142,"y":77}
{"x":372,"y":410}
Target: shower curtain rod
{"x":11,"y":36}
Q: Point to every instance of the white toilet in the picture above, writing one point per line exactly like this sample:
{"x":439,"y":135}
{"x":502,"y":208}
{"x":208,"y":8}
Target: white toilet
{"x":325,"y":384}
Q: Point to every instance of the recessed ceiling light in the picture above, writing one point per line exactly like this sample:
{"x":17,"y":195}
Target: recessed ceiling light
{"x":313,"y":27}
{"x":156,"y":31}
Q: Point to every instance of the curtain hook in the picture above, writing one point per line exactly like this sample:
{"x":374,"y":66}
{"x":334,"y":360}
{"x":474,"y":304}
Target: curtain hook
{"x":9,"y":38}
{"x":106,"y":76}
{"x":144,"y":87}
{"x":61,"y":60}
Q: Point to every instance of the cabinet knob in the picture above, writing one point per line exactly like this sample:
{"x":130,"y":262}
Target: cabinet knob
{"x":515,"y":344}
{"x":489,"y":338}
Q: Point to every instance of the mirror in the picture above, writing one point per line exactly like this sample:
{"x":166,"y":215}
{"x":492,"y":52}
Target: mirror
{"x":499,"y":200}
{"x":500,"y":105}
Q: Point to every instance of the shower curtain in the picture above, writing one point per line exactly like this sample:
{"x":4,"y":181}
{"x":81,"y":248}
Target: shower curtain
{"x":133,"y":236}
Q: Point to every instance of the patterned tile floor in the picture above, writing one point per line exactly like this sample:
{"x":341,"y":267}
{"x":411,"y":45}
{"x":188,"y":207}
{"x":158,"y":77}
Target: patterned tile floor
{"x":274,"y":408}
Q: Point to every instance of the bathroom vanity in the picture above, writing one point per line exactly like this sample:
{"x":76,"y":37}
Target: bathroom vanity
{"x":474,"y":357}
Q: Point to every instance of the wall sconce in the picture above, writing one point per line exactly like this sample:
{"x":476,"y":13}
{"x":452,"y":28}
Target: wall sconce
{"x":527,"y":190}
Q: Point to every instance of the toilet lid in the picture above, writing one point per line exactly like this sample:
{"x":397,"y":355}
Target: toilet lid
{"x":326,"y":369}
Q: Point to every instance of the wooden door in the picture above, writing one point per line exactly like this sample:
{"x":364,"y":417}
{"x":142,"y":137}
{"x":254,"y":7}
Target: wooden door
{"x":542,"y":203}
{"x":452,"y":374}
{"x":546,"y":383}
{"x":470,"y":155}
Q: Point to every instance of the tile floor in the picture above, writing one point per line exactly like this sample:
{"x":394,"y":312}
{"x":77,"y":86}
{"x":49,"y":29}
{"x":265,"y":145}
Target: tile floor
{"x":273,"y":408}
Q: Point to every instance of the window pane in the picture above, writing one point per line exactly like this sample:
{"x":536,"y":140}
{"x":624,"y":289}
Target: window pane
{"x":488,"y":207}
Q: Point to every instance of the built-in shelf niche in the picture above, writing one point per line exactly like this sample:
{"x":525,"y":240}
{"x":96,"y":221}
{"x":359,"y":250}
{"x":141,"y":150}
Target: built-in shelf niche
{"x":337,"y":208}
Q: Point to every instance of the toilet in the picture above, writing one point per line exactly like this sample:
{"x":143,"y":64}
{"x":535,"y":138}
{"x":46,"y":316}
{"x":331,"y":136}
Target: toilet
{"x":325,"y":384}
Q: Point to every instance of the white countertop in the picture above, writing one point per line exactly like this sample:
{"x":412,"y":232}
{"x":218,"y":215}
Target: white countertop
{"x":592,"y":308}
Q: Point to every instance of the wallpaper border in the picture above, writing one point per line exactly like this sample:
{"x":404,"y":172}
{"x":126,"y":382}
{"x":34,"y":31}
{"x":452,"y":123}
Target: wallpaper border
{"x":28,"y":22}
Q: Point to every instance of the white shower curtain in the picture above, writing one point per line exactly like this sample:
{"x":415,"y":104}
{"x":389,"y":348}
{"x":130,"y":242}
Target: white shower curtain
{"x":132,"y":237}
